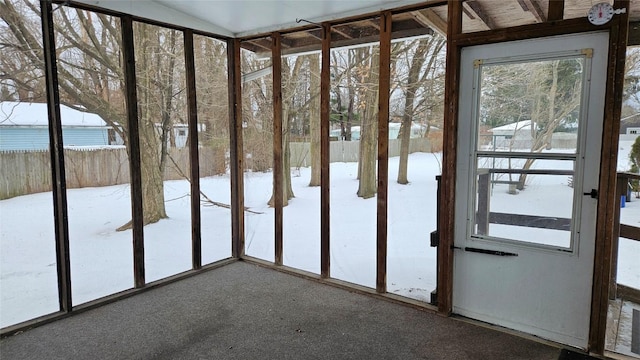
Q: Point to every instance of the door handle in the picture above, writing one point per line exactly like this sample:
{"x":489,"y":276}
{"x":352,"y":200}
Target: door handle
{"x":593,"y":193}
{"x":489,"y":252}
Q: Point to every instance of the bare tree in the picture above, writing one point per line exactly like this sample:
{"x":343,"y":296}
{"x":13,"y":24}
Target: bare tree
{"x":418,"y":74}
{"x":91,"y":78}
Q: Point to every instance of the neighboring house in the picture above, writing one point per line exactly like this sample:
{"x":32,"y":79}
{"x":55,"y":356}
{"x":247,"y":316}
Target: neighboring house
{"x":417,"y":131}
{"x":633,"y":131}
{"x":24,"y":126}
{"x":516,"y":135}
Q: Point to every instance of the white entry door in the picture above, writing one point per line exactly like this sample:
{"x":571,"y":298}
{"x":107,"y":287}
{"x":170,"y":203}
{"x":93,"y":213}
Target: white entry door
{"x":529,"y":140}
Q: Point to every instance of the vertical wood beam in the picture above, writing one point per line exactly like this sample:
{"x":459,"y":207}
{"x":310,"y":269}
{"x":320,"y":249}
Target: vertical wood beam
{"x":622,"y":183}
{"x":56,"y":146}
{"x":276,"y":62}
{"x":446,"y":221}
{"x":133,"y":138}
{"x":608,"y":166}
{"x":236,"y":151}
{"x":325,"y":87}
{"x":194,"y":157}
{"x":384,"y":86}
{"x":556,"y":10}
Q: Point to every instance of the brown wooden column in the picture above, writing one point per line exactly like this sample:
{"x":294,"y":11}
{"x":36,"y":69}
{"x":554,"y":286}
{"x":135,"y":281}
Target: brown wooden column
{"x":608,"y":166}
{"x":194,"y":157}
{"x":383,"y":150}
{"x":446,"y":221}
{"x":133,"y":138}
{"x":236,"y":151}
{"x":556,"y":10}
{"x":56,"y":150}
{"x":276,"y":63}
{"x":325,"y":87}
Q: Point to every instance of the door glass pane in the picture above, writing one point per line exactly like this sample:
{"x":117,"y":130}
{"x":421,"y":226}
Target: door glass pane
{"x":527,"y":130}
{"x":534,"y":205}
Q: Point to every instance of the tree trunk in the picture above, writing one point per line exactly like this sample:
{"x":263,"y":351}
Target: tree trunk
{"x":314,"y":120}
{"x":369,"y":132}
{"x":407,"y":118}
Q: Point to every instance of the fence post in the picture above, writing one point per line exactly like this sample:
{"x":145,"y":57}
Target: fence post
{"x":482,"y":214}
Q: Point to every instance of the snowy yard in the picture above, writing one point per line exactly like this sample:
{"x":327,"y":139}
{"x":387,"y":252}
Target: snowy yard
{"x":102,"y":262}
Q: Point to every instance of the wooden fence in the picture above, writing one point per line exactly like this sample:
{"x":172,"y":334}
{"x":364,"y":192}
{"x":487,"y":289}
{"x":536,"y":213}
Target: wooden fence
{"x":348,"y":151}
{"x":28,"y":172}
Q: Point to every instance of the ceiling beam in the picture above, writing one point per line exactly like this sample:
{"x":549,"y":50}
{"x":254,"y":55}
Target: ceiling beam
{"x":475,"y":8}
{"x":429,"y":18}
{"x":533,"y":6}
{"x":339,"y":29}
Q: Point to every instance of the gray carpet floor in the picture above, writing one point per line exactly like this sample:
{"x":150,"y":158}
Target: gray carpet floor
{"x":243,"y":311}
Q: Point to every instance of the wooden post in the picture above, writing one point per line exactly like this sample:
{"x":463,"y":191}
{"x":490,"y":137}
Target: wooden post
{"x":484,"y":190}
{"x":608,"y":166}
{"x":622,"y":182}
{"x":384,"y":81}
{"x":131,"y":99}
{"x":556,"y":10}
{"x":192,"y":103}
{"x":446,"y":221}
{"x":325,"y":87}
{"x":236,"y":155}
{"x":276,"y":63}
{"x":56,"y":146}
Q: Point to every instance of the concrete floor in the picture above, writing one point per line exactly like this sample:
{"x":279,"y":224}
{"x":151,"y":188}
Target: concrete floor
{"x":243,"y":311}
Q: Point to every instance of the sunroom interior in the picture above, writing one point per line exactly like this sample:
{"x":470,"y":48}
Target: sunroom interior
{"x":369,"y":146}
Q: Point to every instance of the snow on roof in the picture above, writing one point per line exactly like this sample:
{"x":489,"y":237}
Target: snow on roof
{"x":35,"y":114}
{"x":518,"y":125}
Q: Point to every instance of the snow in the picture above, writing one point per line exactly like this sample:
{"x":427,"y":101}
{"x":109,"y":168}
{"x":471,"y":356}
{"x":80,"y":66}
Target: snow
{"x":102,"y":261}
{"x":36,"y":114}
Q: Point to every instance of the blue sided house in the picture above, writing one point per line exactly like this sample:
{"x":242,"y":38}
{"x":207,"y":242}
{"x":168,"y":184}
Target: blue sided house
{"x":24,"y":126}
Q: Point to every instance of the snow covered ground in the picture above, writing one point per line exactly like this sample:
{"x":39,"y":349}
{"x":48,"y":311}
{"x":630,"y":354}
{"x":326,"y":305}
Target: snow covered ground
{"x":102,"y":262}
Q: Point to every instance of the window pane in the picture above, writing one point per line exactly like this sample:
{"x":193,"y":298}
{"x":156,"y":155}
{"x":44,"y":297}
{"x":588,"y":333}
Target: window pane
{"x":164,"y":152}
{"x":301,"y":141}
{"x":353,"y":155}
{"x":213,"y":137}
{"x":96,"y":161}
{"x":28,"y":277}
{"x":257,"y":123}
{"x":417,"y":108}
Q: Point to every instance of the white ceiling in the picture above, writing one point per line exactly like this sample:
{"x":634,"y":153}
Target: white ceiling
{"x":245,"y":17}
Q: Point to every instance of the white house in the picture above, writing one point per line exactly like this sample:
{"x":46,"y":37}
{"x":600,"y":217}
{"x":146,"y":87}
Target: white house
{"x":417,"y":131}
{"x":516,"y":135}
